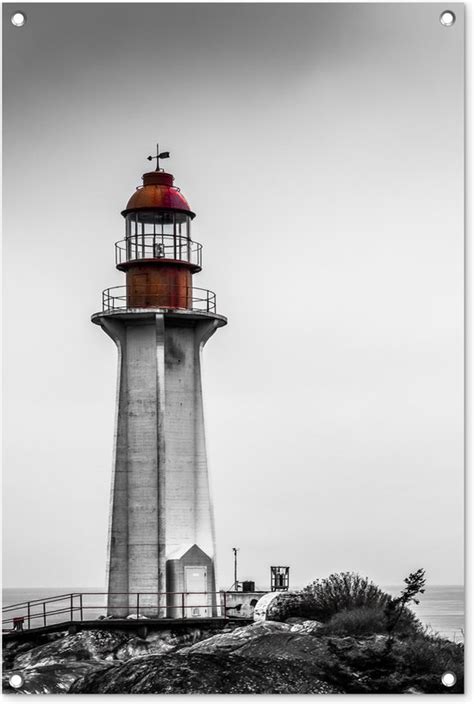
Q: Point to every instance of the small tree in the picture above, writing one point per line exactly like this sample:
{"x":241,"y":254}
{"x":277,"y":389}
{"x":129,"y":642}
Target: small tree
{"x":395,"y":608}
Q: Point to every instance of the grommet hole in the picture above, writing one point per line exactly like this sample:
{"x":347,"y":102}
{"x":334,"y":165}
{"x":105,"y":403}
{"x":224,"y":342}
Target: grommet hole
{"x":447,"y":18}
{"x":18,"y":19}
{"x":448,"y":679}
{"x":16,"y":681}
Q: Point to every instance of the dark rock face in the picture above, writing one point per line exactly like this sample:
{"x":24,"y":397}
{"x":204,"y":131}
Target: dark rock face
{"x":83,"y":646}
{"x":205,"y":674}
{"x":50,"y":679}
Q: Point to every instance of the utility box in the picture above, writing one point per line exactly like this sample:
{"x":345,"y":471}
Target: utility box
{"x":248,"y":586}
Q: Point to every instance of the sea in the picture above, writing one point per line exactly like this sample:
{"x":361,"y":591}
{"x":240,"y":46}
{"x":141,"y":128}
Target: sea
{"x":441,"y":607}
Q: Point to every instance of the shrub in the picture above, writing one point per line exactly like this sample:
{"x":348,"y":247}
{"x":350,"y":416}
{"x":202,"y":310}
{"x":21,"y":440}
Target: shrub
{"x":349,"y":592}
{"x":424,"y":658}
{"x":357,"y":622}
{"x":338,"y":592}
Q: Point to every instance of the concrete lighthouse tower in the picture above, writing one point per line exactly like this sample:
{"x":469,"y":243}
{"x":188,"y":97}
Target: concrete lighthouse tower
{"x":161,"y":533}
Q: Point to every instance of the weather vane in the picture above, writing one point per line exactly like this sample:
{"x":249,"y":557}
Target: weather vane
{"x":159,"y":155}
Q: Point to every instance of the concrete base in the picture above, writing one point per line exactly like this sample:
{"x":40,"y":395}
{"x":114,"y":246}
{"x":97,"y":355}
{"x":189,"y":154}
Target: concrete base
{"x":160,"y":500}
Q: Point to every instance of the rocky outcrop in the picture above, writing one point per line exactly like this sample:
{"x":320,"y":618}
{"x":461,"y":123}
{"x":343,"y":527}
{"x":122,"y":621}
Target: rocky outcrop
{"x":215,"y":673}
{"x":236,"y":639}
{"x":81,"y":647}
{"x":51,"y":679}
{"x":297,"y":656}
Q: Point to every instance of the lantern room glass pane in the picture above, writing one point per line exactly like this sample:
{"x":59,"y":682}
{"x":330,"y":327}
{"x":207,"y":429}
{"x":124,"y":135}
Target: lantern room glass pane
{"x":157,"y":222}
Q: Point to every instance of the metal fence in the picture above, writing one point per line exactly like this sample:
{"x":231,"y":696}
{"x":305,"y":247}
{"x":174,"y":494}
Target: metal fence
{"x":88,"y":606}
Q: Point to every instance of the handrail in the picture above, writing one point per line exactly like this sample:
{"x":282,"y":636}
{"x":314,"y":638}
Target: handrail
{"x":196,"y":299}
{"x":135,"y":605}
{"x":41,"y":601}
{"x":156,"y":247}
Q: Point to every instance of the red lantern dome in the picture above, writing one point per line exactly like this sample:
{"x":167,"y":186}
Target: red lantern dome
{"x":158,"y":192}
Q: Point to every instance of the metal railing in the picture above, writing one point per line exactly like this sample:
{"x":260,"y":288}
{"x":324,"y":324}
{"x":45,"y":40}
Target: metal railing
{"x":175,"y":247}
{"x":159,"y":296}
{"x":88,"y":606}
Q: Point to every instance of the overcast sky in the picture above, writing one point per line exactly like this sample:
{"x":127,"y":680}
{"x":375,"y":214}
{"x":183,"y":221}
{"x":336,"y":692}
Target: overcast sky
{"x":321,"y":147}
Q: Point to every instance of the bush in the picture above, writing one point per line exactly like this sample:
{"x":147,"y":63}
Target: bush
{"x":357,"y":622}
{"x":349,"y":592}
{"x":425,"y":654}
{"x":338,"y":592}
{"x":424,"y":658}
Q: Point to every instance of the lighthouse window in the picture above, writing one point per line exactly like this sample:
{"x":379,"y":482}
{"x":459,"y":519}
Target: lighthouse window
{"x":165,"y":223}
{"x":152,"y":234}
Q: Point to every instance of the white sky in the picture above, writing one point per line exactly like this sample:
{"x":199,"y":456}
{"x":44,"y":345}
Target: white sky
{"x":321,"y":147}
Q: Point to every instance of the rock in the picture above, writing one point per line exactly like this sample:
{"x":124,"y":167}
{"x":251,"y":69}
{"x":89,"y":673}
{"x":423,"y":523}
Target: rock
{"x":295,"y":656}
{"x":50,"y":679}
{"x":228,"y":642}
{"x":204,"y":674}
{"x":134,"y":617}
{"x":301,"y":625}
{"x":82,"y":646}
{"x":287,"y":646}
{"x":137,"y":647}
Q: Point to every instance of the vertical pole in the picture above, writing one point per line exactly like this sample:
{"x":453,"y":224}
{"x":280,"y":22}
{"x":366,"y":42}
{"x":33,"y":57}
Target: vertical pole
{"x":138,"y":604}
{"x":44,"y":613}
{"x":72,"y":607}
{"x":29,"y":615}
{"x":80,"y":607}
{"x":183,"y":614}
{"x":137,"y":251}
{"x":235,"y":569}
{"x":174,"y":237}
{"x":225,"y":604}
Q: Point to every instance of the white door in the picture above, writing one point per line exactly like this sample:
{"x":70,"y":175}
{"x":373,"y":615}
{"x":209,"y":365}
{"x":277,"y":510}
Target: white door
{"x":195,"y":586}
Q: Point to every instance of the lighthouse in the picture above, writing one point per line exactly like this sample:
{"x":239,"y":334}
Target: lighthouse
{"x":161,"y":545}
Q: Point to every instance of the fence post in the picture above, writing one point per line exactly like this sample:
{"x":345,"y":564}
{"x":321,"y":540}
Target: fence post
{"x":183,"y":606}
{"x":80,"y":607}
{"x":44,"y":613}
{"x":225,"y":604}
{"x":138,"y":604}
{"x":72,"y":607}
{"x":29,"y":615}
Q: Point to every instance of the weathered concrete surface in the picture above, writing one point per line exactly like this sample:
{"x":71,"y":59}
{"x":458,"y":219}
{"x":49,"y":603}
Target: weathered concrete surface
{"x":160,"y":491}
{"x":241,"y":604}
{"x":273,"y":606}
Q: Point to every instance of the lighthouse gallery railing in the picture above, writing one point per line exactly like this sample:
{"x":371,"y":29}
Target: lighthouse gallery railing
{"x":154,"y":246}
{"x":199,"y":299}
